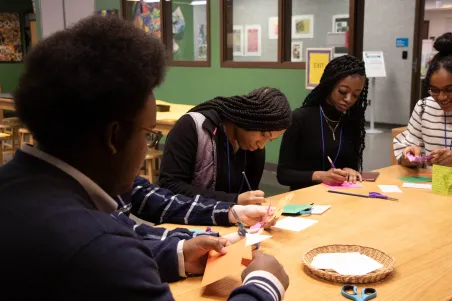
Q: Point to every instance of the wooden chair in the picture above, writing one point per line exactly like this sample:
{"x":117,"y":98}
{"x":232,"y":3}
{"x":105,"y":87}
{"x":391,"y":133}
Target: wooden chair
{"x":11,"y":126}
{"x":395,"y":132}
{"x":23,"y":134}
{"x":152,"y":164}
{"x":3,"y":137}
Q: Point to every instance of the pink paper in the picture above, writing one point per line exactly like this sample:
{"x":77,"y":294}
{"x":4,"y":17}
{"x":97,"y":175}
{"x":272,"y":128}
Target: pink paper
{"x":345,"y":185}
{"x":420,"y":159}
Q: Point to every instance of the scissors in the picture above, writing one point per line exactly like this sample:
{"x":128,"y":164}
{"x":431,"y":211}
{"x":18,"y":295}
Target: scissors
{"x":366,"y":293}
{"x":242,"y":231}
{"x":372,"y":195}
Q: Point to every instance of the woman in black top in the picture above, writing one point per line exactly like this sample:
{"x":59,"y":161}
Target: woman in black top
{"x":329,"y":124}
{"x":236,"y":130}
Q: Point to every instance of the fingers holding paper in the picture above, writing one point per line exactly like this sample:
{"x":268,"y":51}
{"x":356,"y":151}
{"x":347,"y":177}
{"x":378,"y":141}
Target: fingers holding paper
{"x":441,"y":157}
{"x":252,"y":214}
{"x":196,"y":250}
{"x":267,"y":263}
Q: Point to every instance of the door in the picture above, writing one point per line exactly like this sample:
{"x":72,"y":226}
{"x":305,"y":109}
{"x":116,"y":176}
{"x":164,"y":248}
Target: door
{"x":420,"y":29}
{"x":425,"y":30}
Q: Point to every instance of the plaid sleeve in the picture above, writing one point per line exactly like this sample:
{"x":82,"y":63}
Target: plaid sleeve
{"x":158,"y":205}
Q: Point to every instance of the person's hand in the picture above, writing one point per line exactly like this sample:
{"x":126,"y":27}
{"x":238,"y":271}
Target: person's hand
{"x":441,"y":157}
{"x":415,"y":151}
{"x":255,"y":197}
{"x":251,"y":214}
{"x":196,"y":250}
{"x":334,"y":177}
{"x":352,"y":175}
{"x":268,"y":263}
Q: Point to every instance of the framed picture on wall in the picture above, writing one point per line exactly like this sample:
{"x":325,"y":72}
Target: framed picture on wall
{"x":340,"y":23}
{"x":10,"y":38}
{"x":303,"y":27}
{"x":237,"y":40}
{"x":296,"y":51}
{"x":252,"y":40}
{"x":273,"y":28}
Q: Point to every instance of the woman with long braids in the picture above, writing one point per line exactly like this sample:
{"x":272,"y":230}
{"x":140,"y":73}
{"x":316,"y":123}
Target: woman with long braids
{"x":211,"y":149}
{"x":429,"y":130}
{"x":330,"y":124}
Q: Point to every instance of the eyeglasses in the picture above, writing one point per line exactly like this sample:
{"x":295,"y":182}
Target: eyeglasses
{"x":152,"y":137}
{"x":436,"y":92}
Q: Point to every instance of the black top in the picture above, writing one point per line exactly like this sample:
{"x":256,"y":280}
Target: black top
{"x":179,"y":158}
{"x":301,"y":147}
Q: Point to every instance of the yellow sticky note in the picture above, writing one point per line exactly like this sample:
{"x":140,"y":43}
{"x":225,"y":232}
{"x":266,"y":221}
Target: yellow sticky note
{"x":442,"y":179}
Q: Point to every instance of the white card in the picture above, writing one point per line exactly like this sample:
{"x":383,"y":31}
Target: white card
{"x":389,"y":188}
{"x":294,"y":223}
{"x":352,"y":263}
{"x":319,"y":209}
{"x":252,"y":239}
{"x":417,"y":185}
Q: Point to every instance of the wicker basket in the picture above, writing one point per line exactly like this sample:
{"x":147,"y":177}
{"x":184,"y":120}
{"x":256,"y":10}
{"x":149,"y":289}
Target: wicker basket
{"x":387,"y":261}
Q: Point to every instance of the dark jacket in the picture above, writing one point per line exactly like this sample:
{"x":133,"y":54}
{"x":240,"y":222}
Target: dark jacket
{"x":58,"y":246}
{"x":179,"y":158}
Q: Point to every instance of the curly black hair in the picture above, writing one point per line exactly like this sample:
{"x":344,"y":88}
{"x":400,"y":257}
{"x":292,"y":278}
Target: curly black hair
{"x":79,"y":79}
{"x":263,"y":109}
{"x":443,"y":58}
{"x":336,"y":70}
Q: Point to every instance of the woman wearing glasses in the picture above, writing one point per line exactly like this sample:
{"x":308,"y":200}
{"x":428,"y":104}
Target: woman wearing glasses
{"x":329,"y":126}
{"x":429,"y":130}
{"x":211,"y":149}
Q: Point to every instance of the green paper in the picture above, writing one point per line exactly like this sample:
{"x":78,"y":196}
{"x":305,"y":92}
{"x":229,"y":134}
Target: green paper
{"x":416,"y":179}
{"x":295,"y":208}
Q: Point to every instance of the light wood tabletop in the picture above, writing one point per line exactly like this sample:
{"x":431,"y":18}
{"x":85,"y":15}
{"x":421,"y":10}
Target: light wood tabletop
{"x":165,"y":120}
{"x":416,"y":231}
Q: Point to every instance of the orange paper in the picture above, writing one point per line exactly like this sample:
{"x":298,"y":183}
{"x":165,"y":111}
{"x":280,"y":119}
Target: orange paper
{"x":282,"y":202}
{"x":247,"y":256}
{"x":220,"y":266}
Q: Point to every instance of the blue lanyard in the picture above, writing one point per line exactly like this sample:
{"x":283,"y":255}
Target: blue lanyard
{"x":323,"y":142}
{"x":229,"y":165}
{"x":445,"y":133}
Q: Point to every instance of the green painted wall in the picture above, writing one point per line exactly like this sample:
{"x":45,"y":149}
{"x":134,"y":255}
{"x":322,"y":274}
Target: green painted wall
{"x":190,"y":85}
{"x":108,"y":4}
{"x":10,"y":72}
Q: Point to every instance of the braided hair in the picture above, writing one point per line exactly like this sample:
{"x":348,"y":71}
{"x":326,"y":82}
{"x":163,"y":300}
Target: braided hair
{"x":443,"y":58}
{"x":336,"y":70}
{"x":264,"y":109}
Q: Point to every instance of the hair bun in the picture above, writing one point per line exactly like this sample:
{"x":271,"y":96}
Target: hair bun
{"x":443,"y":44}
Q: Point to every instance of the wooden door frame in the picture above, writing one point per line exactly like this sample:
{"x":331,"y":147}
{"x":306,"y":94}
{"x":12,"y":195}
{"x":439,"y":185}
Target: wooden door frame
{"x":417,"y":54}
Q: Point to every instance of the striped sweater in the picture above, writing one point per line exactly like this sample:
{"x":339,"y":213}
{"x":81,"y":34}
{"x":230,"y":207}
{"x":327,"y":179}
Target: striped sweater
{"x":429,"y":127}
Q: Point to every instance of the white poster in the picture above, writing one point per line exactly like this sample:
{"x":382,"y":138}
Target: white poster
{"x":375,"y":63}
{"x":273,"y":28}
{"x":252,"y":40}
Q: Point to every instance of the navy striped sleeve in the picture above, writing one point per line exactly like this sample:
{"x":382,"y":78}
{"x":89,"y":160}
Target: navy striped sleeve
{"x":257,"y":286}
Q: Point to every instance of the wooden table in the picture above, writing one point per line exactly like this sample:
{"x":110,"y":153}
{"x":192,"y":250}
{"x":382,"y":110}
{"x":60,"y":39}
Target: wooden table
{"x":165,"y":120}
{"x":416,"y":230}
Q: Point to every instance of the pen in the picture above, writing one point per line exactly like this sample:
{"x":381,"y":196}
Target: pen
{"x":331,"y":162}
{"x":247,"y":182}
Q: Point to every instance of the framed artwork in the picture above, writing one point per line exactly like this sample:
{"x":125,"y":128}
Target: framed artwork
{"x":202,"y":42}
{"x":296,"y":52}
{"x":10,"y":38}
{"x":273,"y":28}
{"x":237,"y":40}
{"x":253,"y":40}
{"x":303,"y":27}
{"x":340,"y":23}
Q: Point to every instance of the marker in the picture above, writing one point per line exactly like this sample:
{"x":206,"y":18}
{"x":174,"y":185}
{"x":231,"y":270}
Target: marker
{"x":247,"y":182}
{"x":331,"y":162}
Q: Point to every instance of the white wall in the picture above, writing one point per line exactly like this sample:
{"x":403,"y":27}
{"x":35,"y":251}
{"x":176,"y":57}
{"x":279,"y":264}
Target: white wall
{"x":384,"y":21}
{"x":432,"y":3}
{"x":59,"y":14}
{"x":439,"y":22}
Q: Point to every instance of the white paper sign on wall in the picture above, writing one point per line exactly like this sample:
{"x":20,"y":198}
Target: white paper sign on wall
{"x":375,"y":63}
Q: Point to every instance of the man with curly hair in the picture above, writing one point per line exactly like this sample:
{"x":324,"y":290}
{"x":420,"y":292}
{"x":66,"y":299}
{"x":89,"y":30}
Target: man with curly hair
{"x":86,"y":95}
